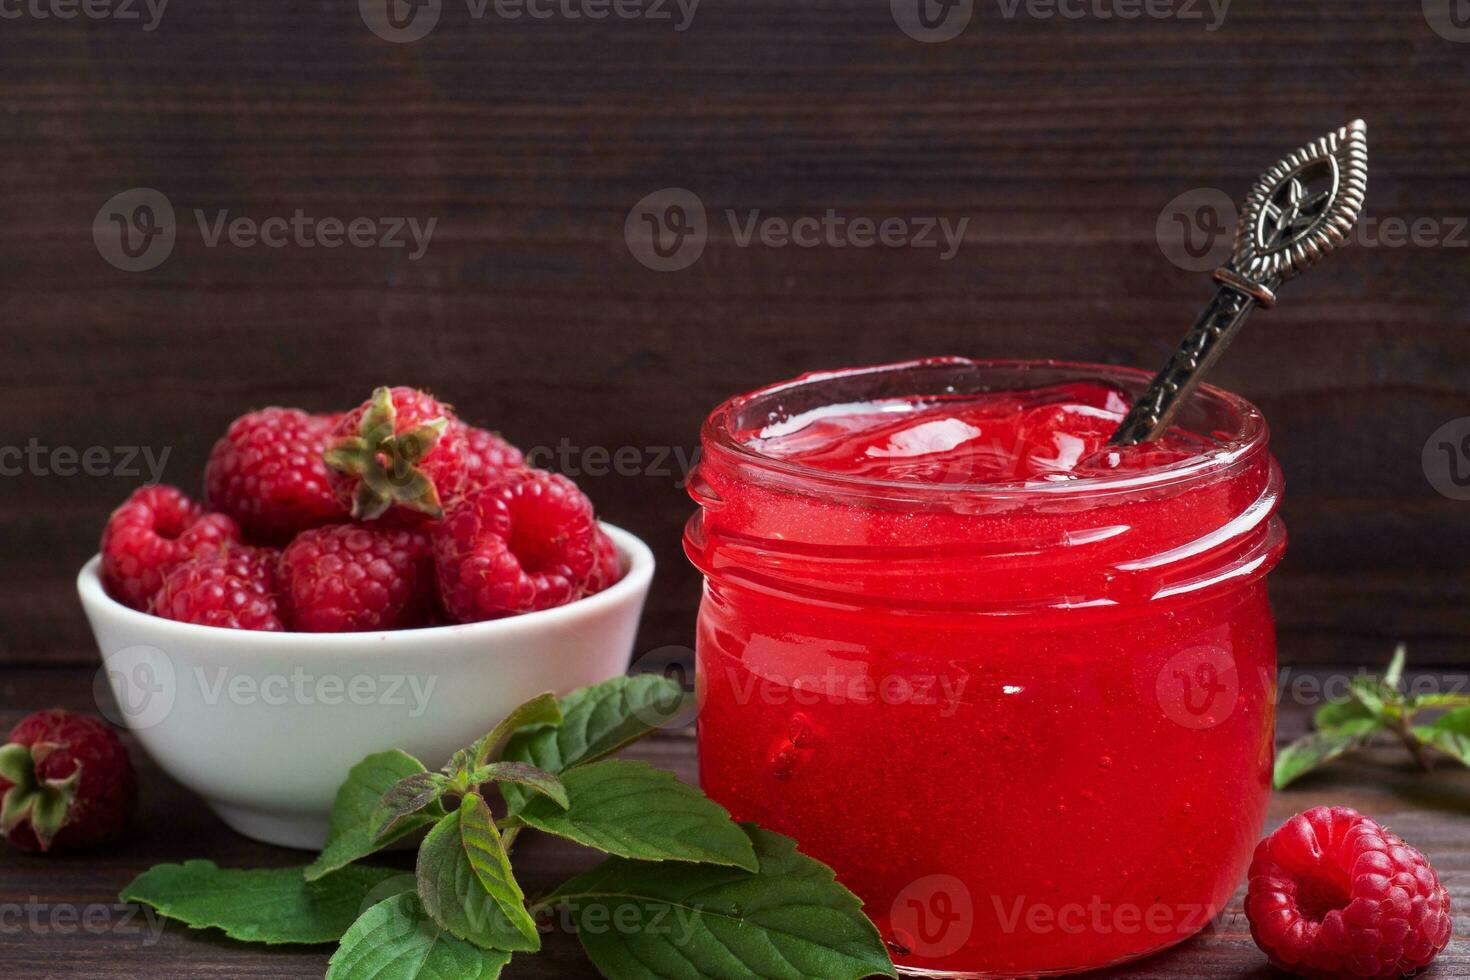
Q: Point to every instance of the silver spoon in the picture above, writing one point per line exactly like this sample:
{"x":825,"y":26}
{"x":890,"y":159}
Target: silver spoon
{"x":1297,"y":213}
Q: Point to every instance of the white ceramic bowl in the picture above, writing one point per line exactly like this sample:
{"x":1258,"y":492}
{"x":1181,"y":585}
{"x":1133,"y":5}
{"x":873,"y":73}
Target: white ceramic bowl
{"x":265,"y":726}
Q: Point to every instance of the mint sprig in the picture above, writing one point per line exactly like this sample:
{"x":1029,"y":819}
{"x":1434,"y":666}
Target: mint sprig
{"x":744,"y":900}
{"x":1375,"y":707}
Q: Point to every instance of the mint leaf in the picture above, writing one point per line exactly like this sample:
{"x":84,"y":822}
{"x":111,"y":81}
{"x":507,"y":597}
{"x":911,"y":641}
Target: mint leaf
{"x":405,"y":798}
{"x":486,"y":853}
{"x":262,"y":906}
{"x":1311,"y":751}
{"x":1394,"y":676}
{"x":461,"y":763}
{"x":1377,"y":697}
{"x":791,"y":919}
{"x":540,"y":711}
{"x":597,"y":721}
{"x":1431,"y":701}
{"x":396,"y":940}
{"x":1456,"y":721}
{"x":635,"y":811}
{"x":1450,"y":734}
{"x":1347,"y":718}
{"x":454,"y":894}
{"x":539,"y":780}
{"x":351,"y":834}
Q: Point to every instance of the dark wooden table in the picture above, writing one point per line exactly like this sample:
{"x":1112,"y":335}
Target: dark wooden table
{"x":1432,"y":813}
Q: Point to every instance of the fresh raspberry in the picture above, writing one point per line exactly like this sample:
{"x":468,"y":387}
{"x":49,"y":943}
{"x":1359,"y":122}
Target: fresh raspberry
{"x":1334,"y":896}
{"x":488,"y":458}
{"x":349,"y":578}
{"x":607,"y":567}
{"x":267,"y":473}
{"x":526,"y":543}
{"x":400,"y":455}
{"x":66,"y":782}
{"x":153,"y":531}
{"x":235,"y":589}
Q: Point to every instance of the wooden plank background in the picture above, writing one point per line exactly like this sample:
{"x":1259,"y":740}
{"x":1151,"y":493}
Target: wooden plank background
{"x":1061,"y":140}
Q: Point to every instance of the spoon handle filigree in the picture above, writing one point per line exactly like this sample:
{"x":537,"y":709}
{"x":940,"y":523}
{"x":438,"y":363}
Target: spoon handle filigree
{"x":1296,"y":214}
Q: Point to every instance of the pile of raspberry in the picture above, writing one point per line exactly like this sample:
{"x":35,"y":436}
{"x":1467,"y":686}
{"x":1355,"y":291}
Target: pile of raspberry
{"x":395,"y":515}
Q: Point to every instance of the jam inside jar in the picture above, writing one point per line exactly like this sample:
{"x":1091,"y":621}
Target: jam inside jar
{"x":1015,"y":686}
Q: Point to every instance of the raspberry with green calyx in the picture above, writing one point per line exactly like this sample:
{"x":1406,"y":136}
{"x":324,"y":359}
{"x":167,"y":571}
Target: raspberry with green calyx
{"x":66,"y":782}
{"x":398,"y":455}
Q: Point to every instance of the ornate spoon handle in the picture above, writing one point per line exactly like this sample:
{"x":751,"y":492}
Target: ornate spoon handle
{"x":1297,"y":213}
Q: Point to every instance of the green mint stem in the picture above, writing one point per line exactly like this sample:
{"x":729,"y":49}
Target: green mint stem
{"x":1404,"y":731}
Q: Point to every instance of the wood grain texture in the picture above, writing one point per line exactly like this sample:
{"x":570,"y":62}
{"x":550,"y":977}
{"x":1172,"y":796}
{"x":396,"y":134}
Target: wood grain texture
{"x":1434,"y":815}
{"x":528,"y":141}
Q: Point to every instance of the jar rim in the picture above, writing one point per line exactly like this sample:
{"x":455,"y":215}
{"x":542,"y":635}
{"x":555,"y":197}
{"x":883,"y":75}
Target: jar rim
{"x":1246,"y":436}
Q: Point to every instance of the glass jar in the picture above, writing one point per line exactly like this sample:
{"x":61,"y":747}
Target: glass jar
{"x":1030,"y":725}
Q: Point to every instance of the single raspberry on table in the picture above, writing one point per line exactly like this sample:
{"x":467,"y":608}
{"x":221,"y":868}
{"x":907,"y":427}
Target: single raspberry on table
{"x":488,"y":458}
{"x":66,"y":782}
{"x":607,"y":566}
{"x":523,"y":544}
{"x":234,"y":589}
{"x":267,"y":473}
{"x":349,"y":578}
{"x":1334,"y":896}
{"x":400,"y":456}
{"x":152,"y":532}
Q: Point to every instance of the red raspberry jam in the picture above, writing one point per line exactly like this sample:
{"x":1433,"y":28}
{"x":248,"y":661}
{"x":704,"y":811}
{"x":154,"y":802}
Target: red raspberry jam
{"x":1013,"y":684}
